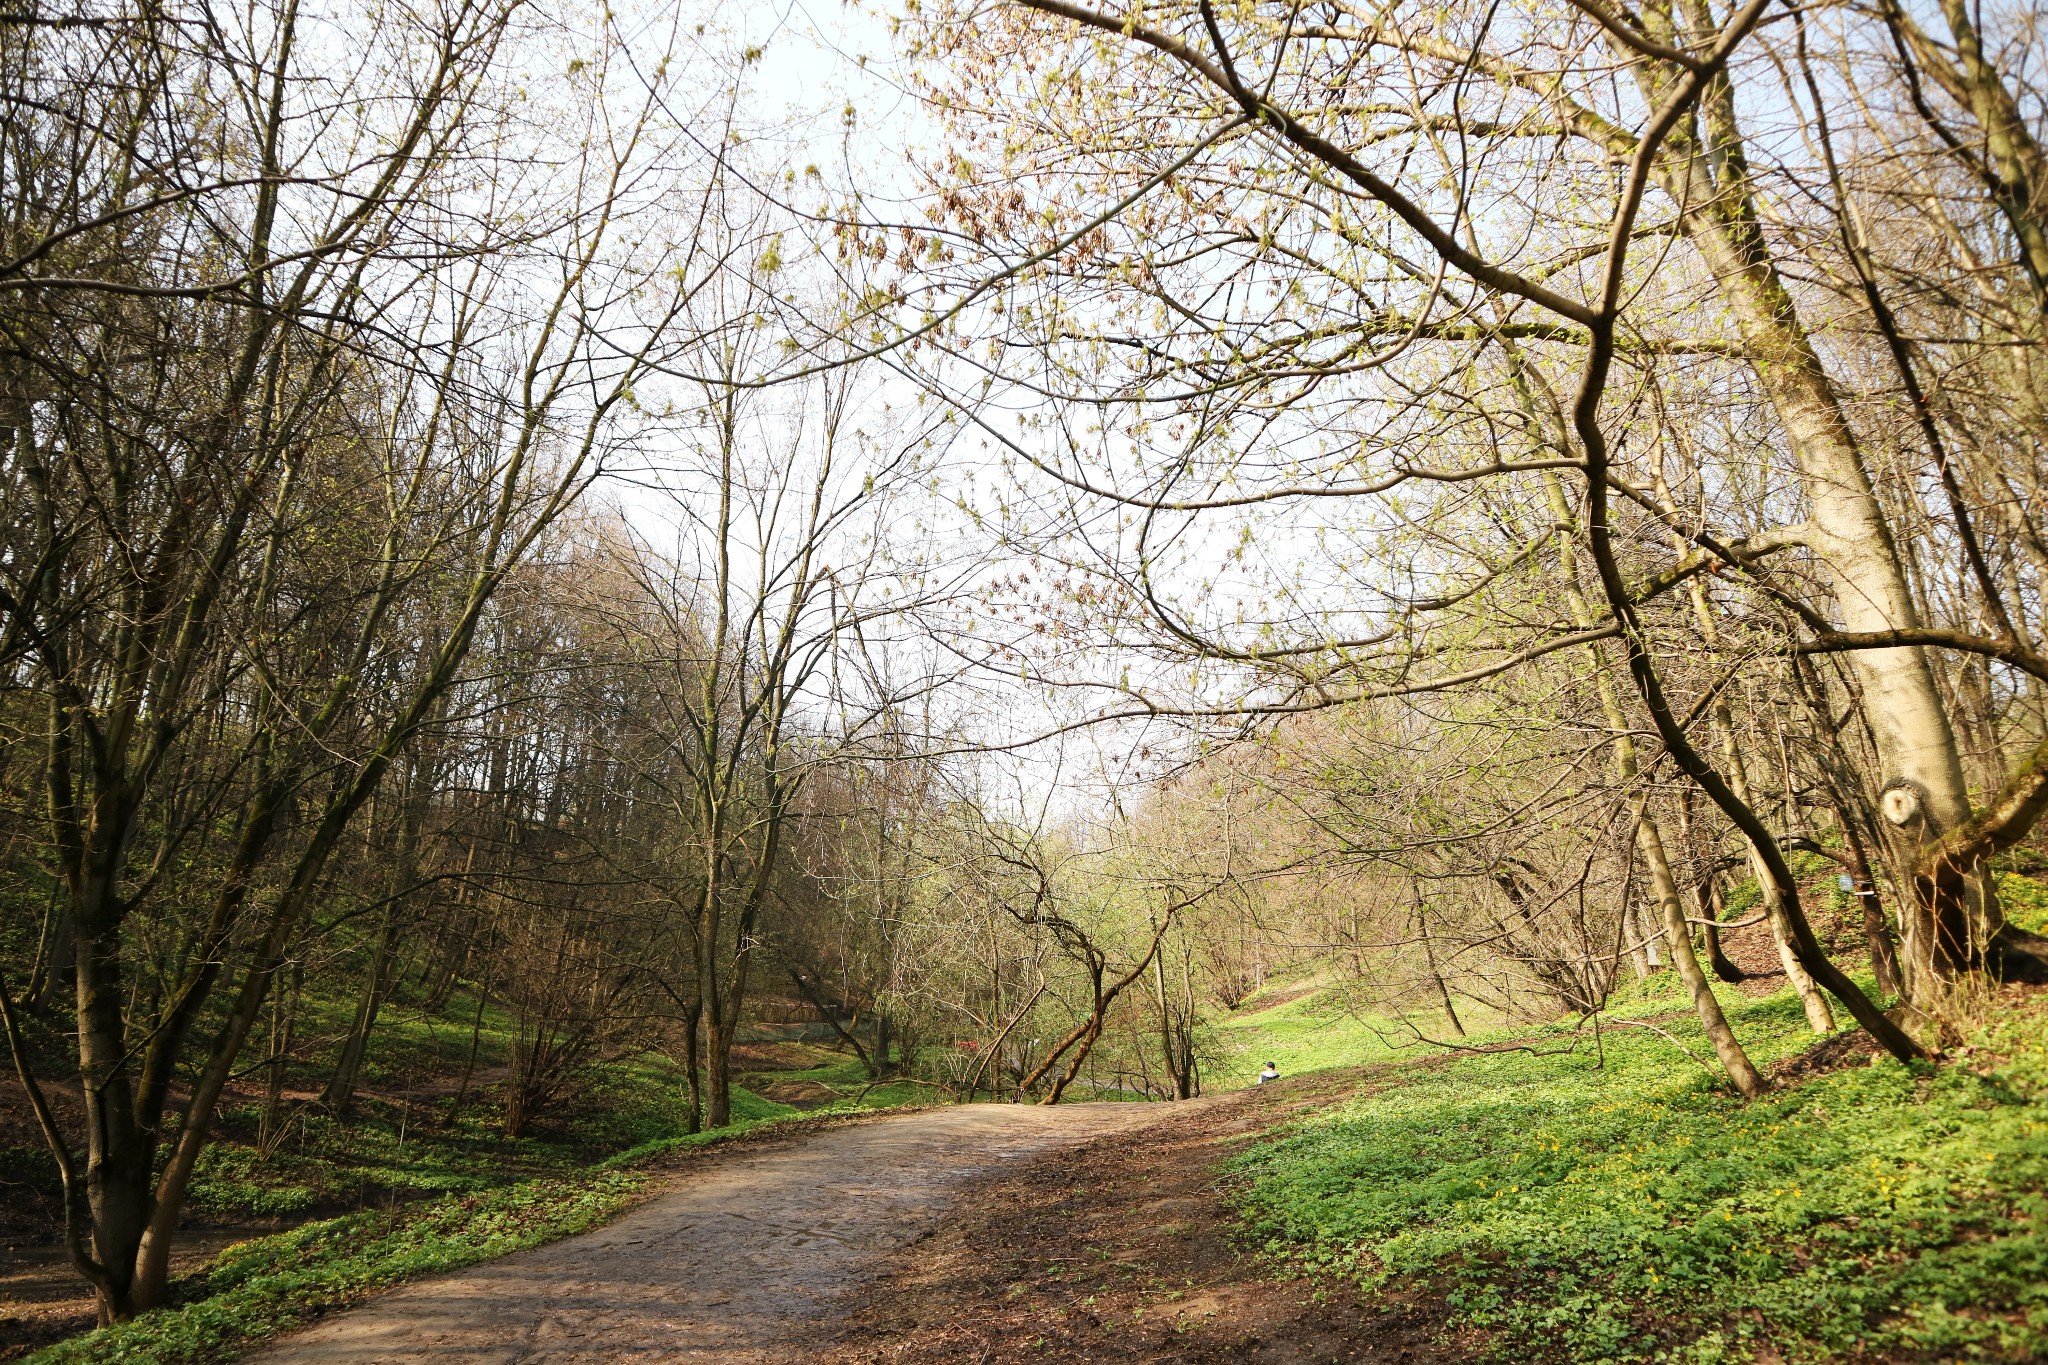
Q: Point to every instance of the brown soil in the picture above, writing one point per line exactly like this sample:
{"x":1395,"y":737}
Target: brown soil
{"x":796,"y":1094}
{"x":42,"y":1299}
{"x":1833,"y":1053}
{"x":29,"y":1215}
{"x":782,"y":1056}
{"x":1119,"y":1250}
{"x":1751,"y":948}
{"x":29,"y":1323}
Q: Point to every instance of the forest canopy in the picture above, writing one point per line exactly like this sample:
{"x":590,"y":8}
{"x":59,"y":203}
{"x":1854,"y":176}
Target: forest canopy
{"x":515,"y":515}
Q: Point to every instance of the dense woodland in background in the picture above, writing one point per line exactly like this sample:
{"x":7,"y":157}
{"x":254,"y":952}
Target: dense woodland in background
{"x":1526,"y":489}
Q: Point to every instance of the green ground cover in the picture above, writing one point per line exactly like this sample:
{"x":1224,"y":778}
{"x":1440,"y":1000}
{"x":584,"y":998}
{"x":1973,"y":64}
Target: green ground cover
{"x":1311,"y":1025}
{"x":405,"y":1138}
{"x":2024,"y":901}
{"x":1313,"y":1031}
{"x":393,"y":1150}
{"x":887,"y":1095}
{"x":1614,"y":1203}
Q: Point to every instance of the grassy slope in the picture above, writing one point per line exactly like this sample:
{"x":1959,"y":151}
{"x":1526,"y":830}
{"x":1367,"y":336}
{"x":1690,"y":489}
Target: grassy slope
{"x":1614,"y":1204}
{"x":1310,"y":1028}
{"x":1308,"y":1033}
{"x":404,"y":1142}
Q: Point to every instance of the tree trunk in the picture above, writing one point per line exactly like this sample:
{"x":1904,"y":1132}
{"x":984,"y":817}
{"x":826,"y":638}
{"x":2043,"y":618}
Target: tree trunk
{"x":1819,"y":1017}
{"x":1436,"y":977}
{"x":476,"y":1038}
{"x":2016,"y":173}
{"x":1635,"y":936}
{"x":1176,"y":1043}
{"x":1877,"y":933}
{"x":340,"y":1091}
{"x":1721,"y":717}
{"x":283,"y":1021}
{"x":1734,"y":1060}
{"x":1703,"y":168}
{"x":1710,"y":932}
{"x":717,"y":1071}
{"x":121,"y":1154}
{"x":694,"y":1121}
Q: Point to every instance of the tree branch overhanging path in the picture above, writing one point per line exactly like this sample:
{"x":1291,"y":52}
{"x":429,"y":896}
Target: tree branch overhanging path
{"x":563,"y":596}
{"x":1685,"y":150}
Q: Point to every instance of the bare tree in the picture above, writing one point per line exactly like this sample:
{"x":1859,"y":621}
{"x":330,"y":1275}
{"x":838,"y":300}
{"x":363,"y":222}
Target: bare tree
{"x":316,"y":339}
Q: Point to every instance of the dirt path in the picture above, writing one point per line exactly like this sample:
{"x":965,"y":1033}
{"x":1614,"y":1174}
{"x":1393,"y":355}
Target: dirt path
{"x":1125,"y":1253}
{"x":726,"y":1267}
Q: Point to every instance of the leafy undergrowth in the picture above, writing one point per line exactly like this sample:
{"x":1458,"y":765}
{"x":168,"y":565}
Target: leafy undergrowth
{"x":1616,"y":1205}
{"x":387,"y":1153}
{"x":2024,"y":901}
{"x":327,"y":1165}
{"x":423,"y":1124}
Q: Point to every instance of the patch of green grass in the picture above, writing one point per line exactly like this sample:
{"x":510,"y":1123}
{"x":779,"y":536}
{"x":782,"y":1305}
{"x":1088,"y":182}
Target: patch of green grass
{"x":1618,"y":1205}
{"x":749,"y":1111}
{"x":411,"y":1040}
{"x":385,"y":1153}
{"x":326,"y":1164}
{"x":771,"y":1115}
{"x":2024,"y":900}
{"x":842,"y":1071}
{"x":749,"y":1108}
{"x":635,"y":1100}
{"x":263,"y":1287}
{"x":1319,"y":1029}
{"x":1313,"y":1032}
{"x":893,"y":1095}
